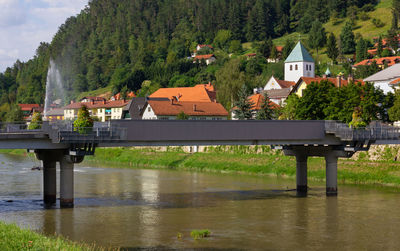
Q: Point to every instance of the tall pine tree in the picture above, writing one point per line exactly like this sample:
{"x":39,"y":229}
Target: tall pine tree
{"x":347,"y":39}
{"x":332,"y":49}
{"x":243,"y":106}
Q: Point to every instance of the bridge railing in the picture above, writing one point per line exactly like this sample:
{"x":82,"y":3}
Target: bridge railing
{"x":375,"y":131}
{"x":18,"y":127}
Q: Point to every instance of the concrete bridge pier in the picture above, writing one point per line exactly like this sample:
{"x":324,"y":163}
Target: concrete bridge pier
{"x":331,"y":160}
{"x":49,"y":182}
{"x":301,"y":174}
{"x":49,"y":159}
{"x":66,"y":182}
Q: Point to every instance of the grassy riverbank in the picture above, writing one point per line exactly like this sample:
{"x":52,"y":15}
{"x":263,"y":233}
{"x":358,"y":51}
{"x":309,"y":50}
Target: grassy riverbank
{"x":257,"y":161}
{"x":15,"y":238}
{"x":250,"y":160}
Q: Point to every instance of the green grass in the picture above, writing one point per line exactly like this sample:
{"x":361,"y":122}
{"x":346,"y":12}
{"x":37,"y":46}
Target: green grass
{"x":95,"y":93}
{"x":15,"y":238}
{"x":254,"y":161}
{"x":200,"y":234}
{"x":366,"y":28}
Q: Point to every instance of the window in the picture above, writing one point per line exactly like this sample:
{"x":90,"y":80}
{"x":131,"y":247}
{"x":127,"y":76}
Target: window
{"x":306,"y":67}
{"x":148,"y":109}
{"x":295,"y":67}
{"x":291,"y":67}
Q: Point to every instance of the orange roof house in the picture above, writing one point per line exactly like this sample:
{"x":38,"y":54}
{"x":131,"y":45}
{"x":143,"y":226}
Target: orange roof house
{"x":258,"y":99}
{"x":380,"y":61}
{"x":28,"y":107}
{"x":198,"y":93}
{"x":117,"y":96}
{"x":169,"y":109}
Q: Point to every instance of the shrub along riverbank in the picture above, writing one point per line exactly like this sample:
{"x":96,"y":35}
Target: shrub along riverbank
{"x":15,"y":238}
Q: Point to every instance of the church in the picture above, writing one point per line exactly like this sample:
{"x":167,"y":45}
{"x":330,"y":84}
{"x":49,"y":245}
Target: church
{"x":299,"y":73}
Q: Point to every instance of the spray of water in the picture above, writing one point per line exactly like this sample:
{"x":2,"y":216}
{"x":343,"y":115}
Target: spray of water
{"x":54,"y":87}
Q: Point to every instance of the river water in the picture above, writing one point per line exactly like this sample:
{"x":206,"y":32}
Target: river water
{"x":146,"y":209}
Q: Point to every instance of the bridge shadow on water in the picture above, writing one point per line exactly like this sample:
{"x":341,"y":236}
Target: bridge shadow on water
{"x":159,"y":201}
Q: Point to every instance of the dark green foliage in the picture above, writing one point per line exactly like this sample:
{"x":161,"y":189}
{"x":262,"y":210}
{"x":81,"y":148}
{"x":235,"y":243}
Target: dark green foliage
{"x":361,"y":50}
{"x":287,"y":48}
{"x":266,"y":112}
{"x":347,"y":39}
{"x":243,"y":106}
{"x":364,"y":71}
{"x":84,"y":123}
{"x":332,"y":49}
{"x":15,"y":114}
{"x":317,"y":35}
{"x":379,"y":47}
{"x":394,"y":111}
{"x":392,"y":39}
{"x":265,"y":48}
{"x":182,"y":116}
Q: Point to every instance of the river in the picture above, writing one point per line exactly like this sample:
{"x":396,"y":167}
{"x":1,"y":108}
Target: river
{"x":146,"y":209}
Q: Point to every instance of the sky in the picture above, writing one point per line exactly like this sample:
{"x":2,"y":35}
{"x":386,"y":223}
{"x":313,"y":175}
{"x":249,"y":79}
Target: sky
{"x":26,"y":23}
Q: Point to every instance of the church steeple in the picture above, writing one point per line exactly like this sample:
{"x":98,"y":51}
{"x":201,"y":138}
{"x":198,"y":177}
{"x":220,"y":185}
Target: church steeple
{"x":299,"y":63}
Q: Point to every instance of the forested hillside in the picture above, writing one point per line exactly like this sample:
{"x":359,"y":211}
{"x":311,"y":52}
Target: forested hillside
{"x":122,"y":43}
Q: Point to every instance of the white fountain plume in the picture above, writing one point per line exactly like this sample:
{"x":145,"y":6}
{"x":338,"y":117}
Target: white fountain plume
{"x":54,"y":87}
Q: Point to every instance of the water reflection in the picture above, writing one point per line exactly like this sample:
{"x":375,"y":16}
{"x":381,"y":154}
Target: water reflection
{"x":145,"y":209}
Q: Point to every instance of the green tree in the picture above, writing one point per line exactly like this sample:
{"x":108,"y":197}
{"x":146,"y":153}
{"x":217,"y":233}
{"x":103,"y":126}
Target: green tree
{"x":243,"y":105}
{"x":379,"y":48}
{"x":222,"y":39}
{"x":394,"y":111}
{"x":265,"y":48}
{"x":347,"y":39}
{"x":332,"y":49}
{"x":290,"y":108}
{"x":287,"y":48}
{"x":266,"y":112}
{"x":182,"y":116}
{"x":36,"y":122}
{"x":15,"y":114}
{"x":361,"y":50}
{"x":315,"y":100}
{"x":84,"y":123}
{"x":357,"y":121}
{"x":317,"y":36}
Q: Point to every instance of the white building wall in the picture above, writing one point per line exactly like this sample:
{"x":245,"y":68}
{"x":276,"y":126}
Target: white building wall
{"x":304,"y":69}
{"x":384,"y":86}
{"x":149,"y":113}
{"x":272,"y":84}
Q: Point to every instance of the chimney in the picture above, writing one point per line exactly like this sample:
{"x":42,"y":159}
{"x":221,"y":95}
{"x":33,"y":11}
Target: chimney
{"x":350,"y":78}
{"x":72,"y":101}
{"x":92,"y":102}
{"x":172,"y":100}
{"x":324,"y":76}
{"x":338,"y":81}
{"x":104,"y":101}
{"x":194,"y":107}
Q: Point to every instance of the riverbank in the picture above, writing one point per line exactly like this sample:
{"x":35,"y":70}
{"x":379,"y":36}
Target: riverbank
{"x":362,"y":169}
{"x":14,"y":238}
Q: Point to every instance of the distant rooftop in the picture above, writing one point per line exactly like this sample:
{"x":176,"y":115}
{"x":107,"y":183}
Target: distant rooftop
{"x":299,"y":54}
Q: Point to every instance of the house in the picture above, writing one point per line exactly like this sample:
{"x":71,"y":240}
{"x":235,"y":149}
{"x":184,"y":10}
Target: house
{"x":303,"y":82}
{"x":118,"y":96}
{"x":278,"y":96}
{"x":92,"y":99}
{"x":200,"y":47}
{"x":28,"y":109}
{"x":198,"y":93}
{"x":169,"y":110}
{"x":208,"y":59}
{"x":54,"y":114}
{"x":103,"y":110}
{"x":274,"y":83}
{"x":279,"y":50}
{"x":251,"y":55}
{"x":257,"y":100}
{"x":381,"y":62}
{"x":386,"y":79}
{"x":133,"y":110}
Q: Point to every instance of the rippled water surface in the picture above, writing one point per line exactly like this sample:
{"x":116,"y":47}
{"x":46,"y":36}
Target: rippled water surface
{"x":148,"y":208}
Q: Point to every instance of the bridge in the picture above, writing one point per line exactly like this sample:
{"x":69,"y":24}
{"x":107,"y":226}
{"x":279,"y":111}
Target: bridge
{"x":60,"y":142}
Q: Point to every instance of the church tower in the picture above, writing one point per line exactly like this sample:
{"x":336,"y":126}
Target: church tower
{"x":299,"y":63}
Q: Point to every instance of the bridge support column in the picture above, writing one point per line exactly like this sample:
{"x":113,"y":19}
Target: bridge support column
{"x":301,"y":174}
{"x":331,"y":160}
{"x":49,"y":182}
{"x":66,"y":182}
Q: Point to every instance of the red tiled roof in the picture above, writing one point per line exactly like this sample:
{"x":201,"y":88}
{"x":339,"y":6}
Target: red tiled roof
{"x":128,"y":95}
{"x":395,"y":82}
{"x":167,"y":108}
{"x":257,"y":100}
{"x":199,"y":93}
{"x":97,"y":104}
{"x":334,"y":81}
{"x":380,"y":61}
{"x":251,"y":55}
{"x":28,"y":107}
{"x":279,"y":48}
{"x":208,"y":56}
{"x":285,"y":84}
